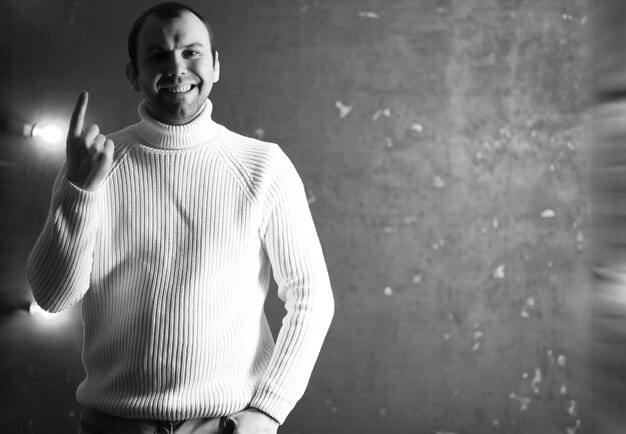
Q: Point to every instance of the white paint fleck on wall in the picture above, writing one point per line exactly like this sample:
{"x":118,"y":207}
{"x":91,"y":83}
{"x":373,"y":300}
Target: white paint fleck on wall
{"x":344,"y":110}
{"x":498,"y":273}
{"x":572,"y":408}
{"x":418,"y":128}
{"x":536,"y":380}
{"x":524,"y":401}
{"x":381,"y":112}
{"x":370,"y":15}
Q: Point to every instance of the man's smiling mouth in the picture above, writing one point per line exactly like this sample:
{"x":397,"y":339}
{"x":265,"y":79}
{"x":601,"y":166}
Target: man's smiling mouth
{"x":178,"y":89}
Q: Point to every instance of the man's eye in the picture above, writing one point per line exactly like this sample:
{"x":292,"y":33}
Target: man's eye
{"x":192,"y":53}
{"x":158,"y":56}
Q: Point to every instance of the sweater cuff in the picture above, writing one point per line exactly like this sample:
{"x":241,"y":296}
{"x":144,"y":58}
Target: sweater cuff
{"x":273,"y":405}
{"x":75,"y":198}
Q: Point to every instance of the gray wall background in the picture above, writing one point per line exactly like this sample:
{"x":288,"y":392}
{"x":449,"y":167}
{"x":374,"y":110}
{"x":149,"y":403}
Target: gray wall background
{"x":443,"y":147}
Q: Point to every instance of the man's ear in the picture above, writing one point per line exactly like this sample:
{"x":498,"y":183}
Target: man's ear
{"x":131,"y":75}
{"x":216,"y":68}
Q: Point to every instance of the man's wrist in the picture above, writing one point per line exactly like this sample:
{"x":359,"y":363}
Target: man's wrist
{"x":268,"y":415}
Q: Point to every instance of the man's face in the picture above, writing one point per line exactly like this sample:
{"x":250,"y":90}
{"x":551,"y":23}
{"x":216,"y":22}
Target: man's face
{"x":175,"y":69}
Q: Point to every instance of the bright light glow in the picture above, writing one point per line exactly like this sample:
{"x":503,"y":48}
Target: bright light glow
{"x":35,"y":309}
{"x":49,"y":133}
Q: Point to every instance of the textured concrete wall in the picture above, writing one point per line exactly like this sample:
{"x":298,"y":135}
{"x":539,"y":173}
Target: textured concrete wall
{"x":442,"y":144}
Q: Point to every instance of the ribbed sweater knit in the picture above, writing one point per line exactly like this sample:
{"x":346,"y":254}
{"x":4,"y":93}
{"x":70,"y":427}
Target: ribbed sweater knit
{"x":172,"y":258}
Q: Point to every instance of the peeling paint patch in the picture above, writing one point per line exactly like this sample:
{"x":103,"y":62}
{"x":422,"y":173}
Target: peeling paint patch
{"x":438,"y":244}
{"x":370,"y":15}
{"x":388,"y":291}
{"x":498,"y":273}
{"x":524,"y":401}
{"x":573,"y":429}
{"x":477,"y":338}
{"x":344,"y":109}
{"x":536,"y":380}
{"x":438,"y":182}
{"x":410,"y":219}
{"x":417,"y":128}
{"x":561,"y":360}
{"x":417,"y":278}
{"x":572,"y":409}
{"x":329,"y":404}
{"x":548,"y":214}
{"x":384,"y":112}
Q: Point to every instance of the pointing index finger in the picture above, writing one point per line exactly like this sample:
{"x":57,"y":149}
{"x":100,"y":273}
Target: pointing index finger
{"x":78,"y":116}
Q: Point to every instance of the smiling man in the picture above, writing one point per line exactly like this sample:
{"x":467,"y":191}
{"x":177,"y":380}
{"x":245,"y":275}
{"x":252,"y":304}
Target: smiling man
{"x":168,"y":231}
{"x":173,"y":64}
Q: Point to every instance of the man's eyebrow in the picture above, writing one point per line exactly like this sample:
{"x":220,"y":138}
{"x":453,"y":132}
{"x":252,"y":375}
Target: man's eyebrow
{"x":162,"y":48}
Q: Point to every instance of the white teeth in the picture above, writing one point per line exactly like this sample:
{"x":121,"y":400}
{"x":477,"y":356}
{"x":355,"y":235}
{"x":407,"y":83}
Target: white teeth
{"x":182,"y":89}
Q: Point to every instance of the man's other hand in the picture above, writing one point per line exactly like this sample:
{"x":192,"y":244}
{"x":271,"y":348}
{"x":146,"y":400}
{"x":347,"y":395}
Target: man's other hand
{"x":253,"y":421}
{"x":89,"y":154}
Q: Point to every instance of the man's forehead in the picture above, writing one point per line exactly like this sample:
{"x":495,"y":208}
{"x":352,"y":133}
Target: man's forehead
{"x":185,"y":30}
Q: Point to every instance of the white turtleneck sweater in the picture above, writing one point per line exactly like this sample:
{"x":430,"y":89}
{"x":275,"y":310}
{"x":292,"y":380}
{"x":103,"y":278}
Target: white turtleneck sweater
{"x":171,"y":257}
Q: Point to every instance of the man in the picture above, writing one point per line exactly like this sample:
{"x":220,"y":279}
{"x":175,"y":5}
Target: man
{"x":167,"y":230}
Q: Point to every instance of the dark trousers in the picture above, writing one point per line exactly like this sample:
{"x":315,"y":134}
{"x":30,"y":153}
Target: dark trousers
{"x":96,"y":422}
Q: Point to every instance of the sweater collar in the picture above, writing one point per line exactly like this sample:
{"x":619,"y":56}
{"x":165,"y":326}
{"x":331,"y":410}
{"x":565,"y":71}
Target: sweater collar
{"x":159,"y":135}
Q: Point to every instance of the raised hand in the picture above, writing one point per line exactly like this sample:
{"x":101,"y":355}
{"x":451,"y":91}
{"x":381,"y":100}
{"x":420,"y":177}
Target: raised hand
{"x":89,"y":154}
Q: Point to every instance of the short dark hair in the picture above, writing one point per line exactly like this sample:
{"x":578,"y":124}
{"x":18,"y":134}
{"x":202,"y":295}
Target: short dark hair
{"x":163,"y":10}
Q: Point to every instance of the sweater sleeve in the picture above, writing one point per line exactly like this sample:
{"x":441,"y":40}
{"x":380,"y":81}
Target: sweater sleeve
{"x":59,"y":266}
{"x":295,"y":253}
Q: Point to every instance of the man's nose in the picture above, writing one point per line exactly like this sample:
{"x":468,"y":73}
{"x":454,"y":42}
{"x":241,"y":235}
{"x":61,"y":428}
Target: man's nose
{"x":176,"y":65}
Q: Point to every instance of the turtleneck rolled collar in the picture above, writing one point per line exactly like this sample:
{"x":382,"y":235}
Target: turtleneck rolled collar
{"x":159,"y":135}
